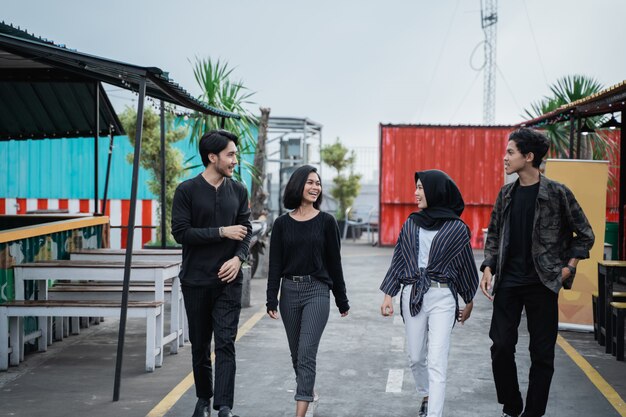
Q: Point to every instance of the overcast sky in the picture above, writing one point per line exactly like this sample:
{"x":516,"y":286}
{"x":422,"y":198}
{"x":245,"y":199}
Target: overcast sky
{"x":350,"y":64}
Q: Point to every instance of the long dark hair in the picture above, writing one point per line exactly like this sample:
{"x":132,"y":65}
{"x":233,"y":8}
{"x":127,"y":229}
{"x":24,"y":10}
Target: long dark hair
{"x":295,"y":187}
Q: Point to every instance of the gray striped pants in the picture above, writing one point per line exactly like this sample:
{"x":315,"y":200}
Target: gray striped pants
{"x":304,"y":307}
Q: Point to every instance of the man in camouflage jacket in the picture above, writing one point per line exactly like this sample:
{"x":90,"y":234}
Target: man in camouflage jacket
{"x":537,"y":234}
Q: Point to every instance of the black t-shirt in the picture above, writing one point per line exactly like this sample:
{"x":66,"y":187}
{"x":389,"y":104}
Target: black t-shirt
{"x":519,"y":268}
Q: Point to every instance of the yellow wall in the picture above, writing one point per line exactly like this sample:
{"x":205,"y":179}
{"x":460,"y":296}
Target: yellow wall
{"x":588,"y":182}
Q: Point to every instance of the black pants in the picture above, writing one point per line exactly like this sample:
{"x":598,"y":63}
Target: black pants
{"x":542,"y":314}
{"x":304,"y":307}
{"x":214,"y":311}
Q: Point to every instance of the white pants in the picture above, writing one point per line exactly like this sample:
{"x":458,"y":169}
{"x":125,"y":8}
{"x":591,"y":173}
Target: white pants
{"x":428,"y":340}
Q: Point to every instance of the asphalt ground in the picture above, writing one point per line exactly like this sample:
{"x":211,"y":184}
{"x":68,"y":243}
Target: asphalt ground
{"x":362,"y":369}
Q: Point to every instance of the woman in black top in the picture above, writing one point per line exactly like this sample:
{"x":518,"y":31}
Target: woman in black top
{"x":305,"y":256}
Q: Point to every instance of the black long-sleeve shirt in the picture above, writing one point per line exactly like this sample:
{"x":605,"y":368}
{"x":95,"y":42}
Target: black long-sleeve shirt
{"x":310,"y":247}
{"x":198,"y":211}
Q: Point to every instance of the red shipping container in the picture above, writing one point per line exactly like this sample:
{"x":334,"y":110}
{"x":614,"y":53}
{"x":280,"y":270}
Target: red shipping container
{"x":471,"y":155}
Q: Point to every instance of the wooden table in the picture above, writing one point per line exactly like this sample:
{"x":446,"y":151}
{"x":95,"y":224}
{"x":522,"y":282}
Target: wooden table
{"x":119,"y":255}
{"x":153,"y":272}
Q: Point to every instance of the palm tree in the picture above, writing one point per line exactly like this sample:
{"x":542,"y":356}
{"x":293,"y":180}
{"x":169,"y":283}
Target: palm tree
{"x":220,"y":92}
{"x":567,"y":90}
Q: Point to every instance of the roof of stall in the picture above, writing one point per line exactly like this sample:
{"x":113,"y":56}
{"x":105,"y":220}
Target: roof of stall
{"x":609,"y":100}
{"x":48,"y":90}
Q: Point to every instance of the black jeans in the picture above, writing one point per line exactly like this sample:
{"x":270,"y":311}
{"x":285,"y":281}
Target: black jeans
{"x":542,"y":314}
{"x":214,"y":311}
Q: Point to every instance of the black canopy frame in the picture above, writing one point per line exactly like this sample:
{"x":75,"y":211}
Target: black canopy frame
{"x":28,"y":63}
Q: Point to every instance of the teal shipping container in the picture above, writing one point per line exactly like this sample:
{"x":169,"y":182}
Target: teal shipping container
{"x":64,"y":168}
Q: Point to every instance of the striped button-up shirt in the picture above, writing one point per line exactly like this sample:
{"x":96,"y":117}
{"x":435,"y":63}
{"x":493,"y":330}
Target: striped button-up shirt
{"x":450,"y":260}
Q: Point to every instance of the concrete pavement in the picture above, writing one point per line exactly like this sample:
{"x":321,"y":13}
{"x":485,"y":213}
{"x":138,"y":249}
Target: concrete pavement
{"x":362,"y":367}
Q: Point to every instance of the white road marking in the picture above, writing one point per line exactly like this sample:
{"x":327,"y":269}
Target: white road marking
{"x":394,"y":380}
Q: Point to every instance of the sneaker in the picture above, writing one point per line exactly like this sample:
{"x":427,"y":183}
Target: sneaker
{"x":423,"y":409}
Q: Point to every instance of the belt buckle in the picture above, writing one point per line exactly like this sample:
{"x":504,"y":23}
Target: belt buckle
{"x":299,"y":278}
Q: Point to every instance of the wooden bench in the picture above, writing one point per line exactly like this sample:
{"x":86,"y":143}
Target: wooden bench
{"x":155,"y":273}
{"x":616,"y":296}
{"x":618,"y":313}
{"x":609,"y":273}
{"x":100,"y":291}
{"x":11,"y":348}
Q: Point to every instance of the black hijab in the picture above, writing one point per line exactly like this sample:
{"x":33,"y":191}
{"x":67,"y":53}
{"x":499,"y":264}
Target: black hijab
{"x":443,"y":198}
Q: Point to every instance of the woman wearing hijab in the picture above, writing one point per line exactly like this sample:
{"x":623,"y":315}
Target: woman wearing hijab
{"x":305,"y":263}
{"x":432,"y":266}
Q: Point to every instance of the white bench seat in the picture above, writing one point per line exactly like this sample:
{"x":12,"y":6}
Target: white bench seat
{"x":11,"y":349}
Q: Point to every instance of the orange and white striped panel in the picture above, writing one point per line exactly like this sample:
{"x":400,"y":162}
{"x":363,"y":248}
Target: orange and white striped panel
{"x":117,"y":210}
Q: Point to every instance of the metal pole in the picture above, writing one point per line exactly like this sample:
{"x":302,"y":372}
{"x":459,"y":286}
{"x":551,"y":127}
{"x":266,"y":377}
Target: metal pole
{"x":108,"y":174}
{"x":320,"y":151}
{"x":578,"y":134}
{"x":303,"y":155}
{"x":621,"y":245}
{"x":572,"y":122}
{"x":97,"y":133}
{"x":163,"y":175}
{"x":129,"y":240}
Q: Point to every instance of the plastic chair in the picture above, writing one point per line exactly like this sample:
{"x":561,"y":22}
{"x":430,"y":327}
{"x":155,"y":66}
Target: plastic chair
{"x":355,"y":218}
{"x":372,"y":226}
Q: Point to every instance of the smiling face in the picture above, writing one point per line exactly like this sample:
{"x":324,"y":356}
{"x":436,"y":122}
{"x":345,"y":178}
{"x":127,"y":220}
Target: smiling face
{"x":312,"y":188}
{"x":514,"y":160}
{"x":226,"y":161}
{"x":420,"y":195}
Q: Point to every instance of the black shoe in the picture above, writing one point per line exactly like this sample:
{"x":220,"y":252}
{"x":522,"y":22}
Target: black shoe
{"x":423,"y":409}
{"x":226,"y":412}
{"x":203,"y":408}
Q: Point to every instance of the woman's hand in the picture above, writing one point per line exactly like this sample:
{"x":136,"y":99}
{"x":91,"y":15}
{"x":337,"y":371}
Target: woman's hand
{"x":466,"y":312}
{"x":386,"y":308}
{"x":273,"y":314}
{"x":345,"y":313}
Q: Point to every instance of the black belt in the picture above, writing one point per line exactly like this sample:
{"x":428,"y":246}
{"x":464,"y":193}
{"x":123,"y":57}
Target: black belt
{"x":299,"y":278}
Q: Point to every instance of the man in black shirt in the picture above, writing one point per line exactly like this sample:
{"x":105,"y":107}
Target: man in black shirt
{"x":537,"y":234}
{"x":211,"y":219}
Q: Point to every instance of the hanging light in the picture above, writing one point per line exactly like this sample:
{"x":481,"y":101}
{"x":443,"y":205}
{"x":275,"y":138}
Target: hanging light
{"x":585,"y":130}
{"x":611,"y":124}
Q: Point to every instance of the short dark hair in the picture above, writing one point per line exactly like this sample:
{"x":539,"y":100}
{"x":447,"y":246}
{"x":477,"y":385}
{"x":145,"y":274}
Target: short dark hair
{"x":530,"y":140}
{"x":292,"y":198}
{"x":215,"y":141}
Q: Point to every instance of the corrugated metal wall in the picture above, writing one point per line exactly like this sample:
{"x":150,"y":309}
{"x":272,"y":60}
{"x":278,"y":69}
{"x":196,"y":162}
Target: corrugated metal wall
{"x":64,"y":168}
{"x":471,"y":155}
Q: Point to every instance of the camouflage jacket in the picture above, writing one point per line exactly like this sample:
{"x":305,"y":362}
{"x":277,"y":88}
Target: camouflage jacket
{"x":561,"y":231}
